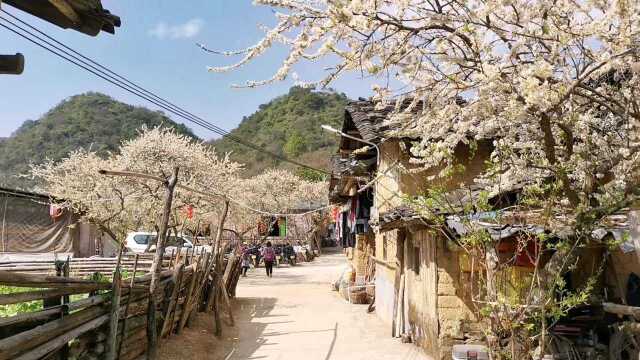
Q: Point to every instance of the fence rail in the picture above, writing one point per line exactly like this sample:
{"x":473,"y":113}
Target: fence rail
{"x":87,"y":319}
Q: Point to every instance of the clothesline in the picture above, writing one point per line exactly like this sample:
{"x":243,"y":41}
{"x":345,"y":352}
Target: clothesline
{"x":237,"y":202}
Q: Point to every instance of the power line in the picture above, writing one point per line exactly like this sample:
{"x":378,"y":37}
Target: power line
{"x":67,"y":53}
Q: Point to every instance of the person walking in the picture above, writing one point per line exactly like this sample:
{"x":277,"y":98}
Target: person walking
{"x":246,"y":263}
{"x":269,"y":256}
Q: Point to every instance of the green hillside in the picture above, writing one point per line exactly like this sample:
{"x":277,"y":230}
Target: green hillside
{"x":288,"y":125}
{"x":90,"y":120}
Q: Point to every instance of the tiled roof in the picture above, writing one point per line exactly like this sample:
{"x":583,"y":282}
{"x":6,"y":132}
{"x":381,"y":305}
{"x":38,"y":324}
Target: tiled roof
{"x":372,"y":121}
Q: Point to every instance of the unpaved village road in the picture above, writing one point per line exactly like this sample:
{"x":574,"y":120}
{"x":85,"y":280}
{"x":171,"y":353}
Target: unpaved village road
{"x":291,"y":316}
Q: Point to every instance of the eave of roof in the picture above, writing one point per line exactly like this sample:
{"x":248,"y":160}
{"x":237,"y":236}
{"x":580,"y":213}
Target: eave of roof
{"x":86,"y":16}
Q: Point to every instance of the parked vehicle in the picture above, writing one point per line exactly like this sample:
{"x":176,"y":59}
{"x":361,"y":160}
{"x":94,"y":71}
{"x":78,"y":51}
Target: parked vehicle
{"x":141,"y":242}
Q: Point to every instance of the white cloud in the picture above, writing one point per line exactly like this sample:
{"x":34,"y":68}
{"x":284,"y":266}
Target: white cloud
{"x":186,"y":30}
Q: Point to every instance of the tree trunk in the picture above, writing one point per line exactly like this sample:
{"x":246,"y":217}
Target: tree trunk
{"x":223,"y":218}
{"x":491,"y":259}
{"x":218,"y":267}
{"x":156,"y":266}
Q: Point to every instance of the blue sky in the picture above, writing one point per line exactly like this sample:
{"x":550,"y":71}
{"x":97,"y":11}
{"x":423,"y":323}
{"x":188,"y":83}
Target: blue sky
{"x":155,"y":47}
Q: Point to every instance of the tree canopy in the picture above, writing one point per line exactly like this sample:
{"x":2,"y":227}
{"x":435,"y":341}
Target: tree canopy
{"x":120,"y":204}
{"x":289,"y":126}
{"x":552,"y":85}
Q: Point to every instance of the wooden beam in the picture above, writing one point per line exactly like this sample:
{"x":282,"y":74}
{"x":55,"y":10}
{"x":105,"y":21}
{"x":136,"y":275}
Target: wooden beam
{"x":12,"y":64}
{"x":65,"y":9}
{"x":12,"y":346}
{"x":622,"y":309}
{"x":32,"y":280}
{"x":60,"y":341}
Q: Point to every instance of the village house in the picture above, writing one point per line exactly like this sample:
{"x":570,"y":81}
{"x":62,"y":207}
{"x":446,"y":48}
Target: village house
{"x":352,"y":167}
{"x":423,"y":280}
{"x":31,"y":226}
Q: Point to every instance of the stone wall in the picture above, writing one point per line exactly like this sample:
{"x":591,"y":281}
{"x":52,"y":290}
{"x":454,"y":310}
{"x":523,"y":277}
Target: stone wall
{"x":455,"y":310}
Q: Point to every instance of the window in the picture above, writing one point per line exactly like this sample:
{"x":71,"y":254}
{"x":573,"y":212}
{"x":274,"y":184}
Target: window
{"x":177,"y":242}
{"x":416,"y":260}
{"x":144,"y":239}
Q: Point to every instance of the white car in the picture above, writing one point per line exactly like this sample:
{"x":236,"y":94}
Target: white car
{"x":141,"y":241}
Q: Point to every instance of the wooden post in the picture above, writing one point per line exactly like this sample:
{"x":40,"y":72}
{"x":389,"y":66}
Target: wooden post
{"x":112,"y":338}
{"x":189,"y":298}
{"x":223,"y":218}
{"x":217,"y":277}
{"x":113,"y":317}
{"x":398,"y":280}
{"x":173,"y":301}
{"x":126,"y":307}
{"x":178,"y":256}
{"x":173,"y":252}
{"x":225,"y":296}
{"x":152,"y":329}
{"x":215,"y":285}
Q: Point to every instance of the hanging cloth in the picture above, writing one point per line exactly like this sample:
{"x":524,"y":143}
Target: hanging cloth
{"x":345,"y":229}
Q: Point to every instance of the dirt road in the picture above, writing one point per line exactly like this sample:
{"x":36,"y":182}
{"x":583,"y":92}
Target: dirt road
{"x":293,"y":315}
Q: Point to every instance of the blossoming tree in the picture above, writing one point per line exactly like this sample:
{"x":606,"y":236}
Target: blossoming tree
{"x":119,"y":204}
{"x":553,"y":84}
{"x":273,"y":192}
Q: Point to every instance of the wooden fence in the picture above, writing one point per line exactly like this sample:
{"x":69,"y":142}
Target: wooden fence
{"x":106,"y":317}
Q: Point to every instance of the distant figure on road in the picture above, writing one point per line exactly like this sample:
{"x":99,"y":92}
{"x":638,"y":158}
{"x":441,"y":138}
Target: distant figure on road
{"x":269,"y":256}
{"x":246,"y":260}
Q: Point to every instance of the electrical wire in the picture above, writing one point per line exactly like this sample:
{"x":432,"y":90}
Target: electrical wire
{"x":67,"y":53}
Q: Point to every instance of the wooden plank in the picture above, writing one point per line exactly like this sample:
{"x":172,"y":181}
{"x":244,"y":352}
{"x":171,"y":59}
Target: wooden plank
{"x":84,"y":303}
{"x":15,"y":298}
{"x":126,"y":308}
{"x":31,"y":280}
{"x":227,"y":301}
{"x":622,"y":309}
{"x":189,"y":299}
{"x":62,"y":340}
{"x":173,"y":300}
{"x":30,"y":317}
{"x":65,"y":9}
{"x":399,"y":270}
{"x":113,"y":317}
{"x":13,"y":346}
{"x":399,"y":316}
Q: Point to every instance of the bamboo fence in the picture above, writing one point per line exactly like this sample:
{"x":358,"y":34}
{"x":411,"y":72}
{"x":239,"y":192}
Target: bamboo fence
{"x":110,"y":320}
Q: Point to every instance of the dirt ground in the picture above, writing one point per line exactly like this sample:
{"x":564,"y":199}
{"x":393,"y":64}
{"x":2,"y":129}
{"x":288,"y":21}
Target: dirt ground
{"x":293,"y":315}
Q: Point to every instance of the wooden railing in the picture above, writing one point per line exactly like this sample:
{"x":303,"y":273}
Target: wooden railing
{"x":104,"y":317}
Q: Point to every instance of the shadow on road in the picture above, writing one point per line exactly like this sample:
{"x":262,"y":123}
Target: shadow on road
{"x":252,"y":315}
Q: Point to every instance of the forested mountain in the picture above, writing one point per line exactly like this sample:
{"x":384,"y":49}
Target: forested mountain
{"x":90,"y":120}
{"x":288,"y":125}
